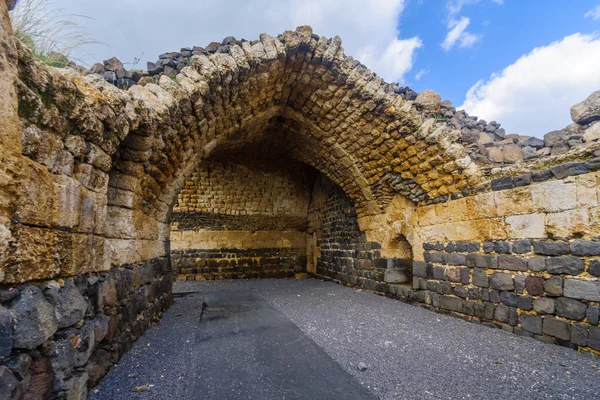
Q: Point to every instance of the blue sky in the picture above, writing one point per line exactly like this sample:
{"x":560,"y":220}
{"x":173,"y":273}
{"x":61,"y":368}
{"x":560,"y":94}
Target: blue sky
{"x":520,"y":62}
{"x":507,"y":31}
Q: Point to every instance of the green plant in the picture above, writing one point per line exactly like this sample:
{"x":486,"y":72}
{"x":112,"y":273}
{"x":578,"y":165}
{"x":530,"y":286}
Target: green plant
{"x":51,"y":35}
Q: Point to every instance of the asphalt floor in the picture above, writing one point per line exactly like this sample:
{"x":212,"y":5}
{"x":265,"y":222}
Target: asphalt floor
{"x":304,"y":339}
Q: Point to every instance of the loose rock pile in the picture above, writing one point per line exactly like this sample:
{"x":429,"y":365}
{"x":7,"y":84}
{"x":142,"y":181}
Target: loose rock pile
{"x":488,"y":143}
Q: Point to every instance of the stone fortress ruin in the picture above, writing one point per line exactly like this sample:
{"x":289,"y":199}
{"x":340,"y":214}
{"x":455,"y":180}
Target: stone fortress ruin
{"x":268,"y":158}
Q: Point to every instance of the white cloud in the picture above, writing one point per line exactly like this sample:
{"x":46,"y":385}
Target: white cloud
{"x":458,"y":34}
{"x":533,"y":96}
{"x":369,"y":30}
{"x":594,"y":13}
{"x":454,"y":7}
{"x":468,"y":40}
{"x":397,"y":59}
{"x":421,"y":74}
{"x":457,"y":26}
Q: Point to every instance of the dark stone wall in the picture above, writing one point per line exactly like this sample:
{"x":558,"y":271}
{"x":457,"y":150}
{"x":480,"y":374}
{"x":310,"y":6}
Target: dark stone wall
{"x":198,"y":264}
{"x":59,"y":338}
{"x":185,"y":221}
{"x":345,"y":255}
{"x":545,"y":289}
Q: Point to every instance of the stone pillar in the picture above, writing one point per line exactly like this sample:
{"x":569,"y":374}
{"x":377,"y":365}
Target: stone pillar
{"x":10,"y":132}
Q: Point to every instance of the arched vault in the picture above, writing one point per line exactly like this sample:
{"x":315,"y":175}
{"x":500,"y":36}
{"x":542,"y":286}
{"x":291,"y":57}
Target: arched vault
{"x":297,"y":92}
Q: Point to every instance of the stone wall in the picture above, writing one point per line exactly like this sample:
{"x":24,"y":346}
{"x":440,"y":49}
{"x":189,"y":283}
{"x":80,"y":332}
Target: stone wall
{"x":342,"y":252}
{"x":257,"y":195}
{"x":59,"y":337}
{"x":236,"y":220}
{"x":546,"y":289}
{"x":522,"y":255}
{"x":238,"y":263}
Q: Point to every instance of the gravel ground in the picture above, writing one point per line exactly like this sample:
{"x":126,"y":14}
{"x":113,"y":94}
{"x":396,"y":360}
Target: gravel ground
{"x":411,"y":353}
{"x":159,"y":360}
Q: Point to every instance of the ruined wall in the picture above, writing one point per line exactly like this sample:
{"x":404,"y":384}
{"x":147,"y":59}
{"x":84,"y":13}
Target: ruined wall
{"x":339,"y":250}
{"x":67,"y":333}
{"x":236,"y":220}
{"x":522,"y":255}
{"x":74,"y":290}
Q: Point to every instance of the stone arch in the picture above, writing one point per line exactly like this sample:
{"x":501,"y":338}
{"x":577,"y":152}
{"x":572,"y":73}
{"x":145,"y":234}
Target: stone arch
{"x":297,"y":89}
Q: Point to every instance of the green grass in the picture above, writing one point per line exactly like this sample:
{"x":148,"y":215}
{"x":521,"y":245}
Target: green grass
{"x":51,"y":35}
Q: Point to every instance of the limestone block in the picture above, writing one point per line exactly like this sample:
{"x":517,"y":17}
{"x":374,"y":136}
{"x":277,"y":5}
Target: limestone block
{"x":512,"y":153}
{"x":451,"y":211}
{"x":429,"y":101}
{"x":67,"y":192}
{"x":514,"y":201}
{"x":124,"y":251}
{"x":554,"y":196}
{"x":568,"y":223}
{"x":124,"y":223}
{"x":526,"y":226}
{"x":98,"y":158}
{"x":588,"y":110}
{"x":488,"y":229}
{"x":427,"y":215}
{"x":592,"y":133}
{"x":481,"y":206}
{"x":31,"y":255}
{"x":36,"y":202}
{"x":80,"y":253}
{"x":76,"y":145}
{"x":587,"y":189}
{"x":119,"y":223}
{"x":92,"y":212}
{"x":495,"y":154}
{"x":121,"y":198}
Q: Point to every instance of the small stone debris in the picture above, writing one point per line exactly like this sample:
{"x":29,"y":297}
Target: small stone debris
{"x":362,"y":366}
{"x":143,"y":388}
